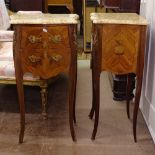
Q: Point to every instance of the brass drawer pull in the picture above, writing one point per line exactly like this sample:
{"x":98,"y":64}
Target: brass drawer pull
{"x":55,"y":39}
{"x":34,"y":59}
{"x":55,"y":58}
{"x":33,"y":39}
{"x":119,"y":50}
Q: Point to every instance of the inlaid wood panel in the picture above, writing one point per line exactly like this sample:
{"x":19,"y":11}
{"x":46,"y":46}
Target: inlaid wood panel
{"x":46,"y":63}
{"x":120,"y":46}
{"x":44,"y":37}
{"x":45,"y":50}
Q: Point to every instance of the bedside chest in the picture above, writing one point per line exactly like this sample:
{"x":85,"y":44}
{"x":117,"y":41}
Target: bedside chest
{"x":45,"y":45}
{"x":118,"y":46}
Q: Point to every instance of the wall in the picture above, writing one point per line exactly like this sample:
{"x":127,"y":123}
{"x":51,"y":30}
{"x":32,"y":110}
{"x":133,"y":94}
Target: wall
{"x":148,"y":91}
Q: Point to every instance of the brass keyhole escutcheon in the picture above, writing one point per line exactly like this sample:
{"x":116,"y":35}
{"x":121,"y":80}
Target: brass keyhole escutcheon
{"x":119,"y":49}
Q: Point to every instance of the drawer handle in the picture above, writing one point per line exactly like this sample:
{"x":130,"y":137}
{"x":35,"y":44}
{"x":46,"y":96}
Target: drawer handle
{"x":33,"y":39}
{"x":55,"y":58}
{"x":34,"y":59}
{"x":119,"y":50}
{"x":55,"y":39}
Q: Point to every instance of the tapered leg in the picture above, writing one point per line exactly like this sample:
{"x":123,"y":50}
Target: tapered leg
{"x":136,"y":107}
{"x":128,"y":88}
{"x":91,"y":114}
{"x":72,"y":94}
{"x":75,"y":82}
{"x":20,"y":90}
{"x":71,"y":105}
{"x":96,"y":103}
{"x":22,"y":109}
{"x":72,"y":78}
{"x":44,"y":101}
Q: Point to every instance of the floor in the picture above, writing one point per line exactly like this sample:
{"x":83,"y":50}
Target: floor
{"x":52,"y":136}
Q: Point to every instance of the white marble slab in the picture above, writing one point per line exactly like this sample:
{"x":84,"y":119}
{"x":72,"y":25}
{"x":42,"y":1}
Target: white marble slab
{"x":118,"y":18}
{"x":26,"y":17}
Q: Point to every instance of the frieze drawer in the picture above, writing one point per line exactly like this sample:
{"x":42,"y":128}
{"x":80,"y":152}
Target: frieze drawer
{"x":44,"y":37}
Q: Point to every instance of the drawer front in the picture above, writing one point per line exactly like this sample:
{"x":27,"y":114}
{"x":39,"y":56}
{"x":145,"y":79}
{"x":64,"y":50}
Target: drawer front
{"x":39,"y":37}
{"x":120,"y":46}
{"x":46,"y":63}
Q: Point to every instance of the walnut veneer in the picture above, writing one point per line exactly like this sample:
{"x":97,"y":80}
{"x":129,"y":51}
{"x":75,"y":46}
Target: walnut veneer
{"x":118,"y":47}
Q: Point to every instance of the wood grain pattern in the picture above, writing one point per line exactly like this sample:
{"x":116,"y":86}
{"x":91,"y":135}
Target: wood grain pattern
{"x":47,"y":67}
{"x":47,"y":35}
{"x":45,"y":58}
{"x":120,"y":48}
{"x":40,"y":53}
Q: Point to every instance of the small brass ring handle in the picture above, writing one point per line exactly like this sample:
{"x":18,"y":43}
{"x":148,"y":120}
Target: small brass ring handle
{"x":34,"y":39}
{"x":55,"y":58}
{"x":55,"y":39}
{"x":119,"y":50}
{"x":34,"y":59}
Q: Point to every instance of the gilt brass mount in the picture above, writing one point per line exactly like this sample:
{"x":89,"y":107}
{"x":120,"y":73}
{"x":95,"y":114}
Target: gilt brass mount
{"x":55,"y":58}
{"x":34,"y":59}
{"x":55,"y":39}
{"x":34,"y":39}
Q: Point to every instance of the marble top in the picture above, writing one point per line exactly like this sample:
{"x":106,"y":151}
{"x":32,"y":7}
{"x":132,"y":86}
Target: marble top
{"x":36,"y":17}
{"x":118,"y":18}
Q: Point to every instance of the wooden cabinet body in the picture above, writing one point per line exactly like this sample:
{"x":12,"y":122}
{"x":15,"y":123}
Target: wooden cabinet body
{"x":45,"y":50}
{"x":45,"y":53}
{"x":118,"y":47}
{"x":119,"y":81}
